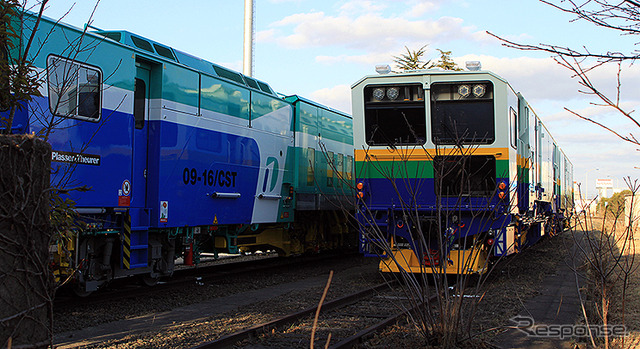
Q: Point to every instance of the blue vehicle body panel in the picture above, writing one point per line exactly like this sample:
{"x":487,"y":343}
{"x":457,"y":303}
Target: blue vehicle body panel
{"x":106,"y":158}
{"x":190,"y":165}
{"x":383,"y":194}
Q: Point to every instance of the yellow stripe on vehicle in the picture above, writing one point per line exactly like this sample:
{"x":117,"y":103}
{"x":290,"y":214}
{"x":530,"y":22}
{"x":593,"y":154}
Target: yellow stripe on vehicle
{"x":420,"y":154}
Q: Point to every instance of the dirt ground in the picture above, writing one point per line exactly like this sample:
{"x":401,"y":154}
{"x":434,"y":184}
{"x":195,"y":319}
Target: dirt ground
{"x":519,"y":278}
{"x":510,"y":284}
{"x":625,"y":294}
{"x":513,"y":281}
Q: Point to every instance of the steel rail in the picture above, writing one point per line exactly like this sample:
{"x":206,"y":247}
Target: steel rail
{"x":357,"y":338}
{"x":254,"y":331}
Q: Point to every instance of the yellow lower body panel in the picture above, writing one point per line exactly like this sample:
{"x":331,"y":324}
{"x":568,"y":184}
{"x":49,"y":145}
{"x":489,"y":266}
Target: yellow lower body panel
{"x":276,"y":237}
{"x":473,"y":261}
{"x":62,"y":256}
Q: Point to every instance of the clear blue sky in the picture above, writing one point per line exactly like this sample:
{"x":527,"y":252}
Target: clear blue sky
{"x":319,"y":48}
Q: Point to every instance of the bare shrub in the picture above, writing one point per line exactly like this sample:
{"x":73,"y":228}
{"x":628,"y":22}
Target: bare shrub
{"x":26,"y":285}
{"x":608,"y":248}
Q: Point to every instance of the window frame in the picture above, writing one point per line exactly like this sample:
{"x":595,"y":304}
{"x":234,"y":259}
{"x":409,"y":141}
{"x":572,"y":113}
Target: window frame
{"x":330,"y":170}
{"x":340,"y":169}
{"x":385,"y":113}
{"x":311,"y":163}
{"x":139,"y":120}
{"x":73,"y":114}
{"x":514,"y":130}
{"x":445,"y":93}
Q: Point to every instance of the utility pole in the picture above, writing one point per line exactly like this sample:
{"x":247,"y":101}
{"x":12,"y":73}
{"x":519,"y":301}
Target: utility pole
{"x":247,"y":62}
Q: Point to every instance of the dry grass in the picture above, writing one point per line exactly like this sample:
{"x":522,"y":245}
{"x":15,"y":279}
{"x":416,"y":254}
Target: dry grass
{"x":628,"y":312}
{"x":514,"y":280}
{"x":623,"y":287}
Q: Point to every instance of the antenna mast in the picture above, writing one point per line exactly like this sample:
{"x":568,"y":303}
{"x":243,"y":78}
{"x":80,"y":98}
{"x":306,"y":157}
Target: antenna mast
{"x":247,"y":62}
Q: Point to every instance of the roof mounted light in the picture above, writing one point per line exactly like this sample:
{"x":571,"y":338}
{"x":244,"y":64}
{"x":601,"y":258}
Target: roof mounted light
{"x":393,"y":93}
{"x":473,"y":65}
{"x":378,"y":94}
{"x":464,"y":91}
{"x":479,"y":90}
{"x":383,"y":69}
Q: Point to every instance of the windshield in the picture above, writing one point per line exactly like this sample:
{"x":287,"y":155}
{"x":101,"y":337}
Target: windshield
{"x":462,"y":113}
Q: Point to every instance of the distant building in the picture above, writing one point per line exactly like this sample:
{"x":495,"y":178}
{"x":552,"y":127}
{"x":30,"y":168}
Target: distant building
{"x":603,"y":185}
{"x":632,"y":211}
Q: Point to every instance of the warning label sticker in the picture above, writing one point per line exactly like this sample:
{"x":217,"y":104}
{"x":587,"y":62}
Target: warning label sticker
{"x":164,"y":211}
{"x":126,"y":187}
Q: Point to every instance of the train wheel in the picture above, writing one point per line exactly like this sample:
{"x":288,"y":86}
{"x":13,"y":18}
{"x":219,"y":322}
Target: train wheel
{"x":148,"y":280}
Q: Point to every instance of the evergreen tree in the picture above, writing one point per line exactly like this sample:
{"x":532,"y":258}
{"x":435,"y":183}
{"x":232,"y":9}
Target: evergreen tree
{"x":412,"y":60}
{"x":446,"y":62}
{"x":615,"y":204}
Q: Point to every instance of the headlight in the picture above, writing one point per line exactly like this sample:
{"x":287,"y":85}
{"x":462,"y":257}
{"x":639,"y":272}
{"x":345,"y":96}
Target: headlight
{"x":393,"y":93}
{"x":378,"y":94}
{"x":464,"y":91}
{"x":479,"y":90}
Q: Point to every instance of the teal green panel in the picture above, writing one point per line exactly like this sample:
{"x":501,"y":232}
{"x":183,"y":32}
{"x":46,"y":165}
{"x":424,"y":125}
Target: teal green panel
{"x":336,"y":127}
{"x":180,"y":85}
{"x":290,"y":175}
{"x":225,"y":98}
{"x":262,"y":105}
{"x":115,"y":61}
{"x":321,"y":172}
{"x":306,"y":170}
{"x":307,"y":121}
{"x":299,"y":176}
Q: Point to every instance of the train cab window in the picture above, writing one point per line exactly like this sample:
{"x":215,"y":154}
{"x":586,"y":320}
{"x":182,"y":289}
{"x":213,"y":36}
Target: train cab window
{"x":264,"y":87}
{"x":462,"y":113}
{"x":394,"y":115}
{"x":74,"y":89}
{"x":513,"y":133}
{"x":115,"y":36}
{"x":164,"y":52}
{"x":228,"y":74}
{"x":141,"y":43}
{"x":251,"y":82}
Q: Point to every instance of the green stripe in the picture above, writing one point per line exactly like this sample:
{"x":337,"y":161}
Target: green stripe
{"x":394,"y":169}
{"x":502,"y":168}
{"x":409,"y":169}
{"x":333,"y":126}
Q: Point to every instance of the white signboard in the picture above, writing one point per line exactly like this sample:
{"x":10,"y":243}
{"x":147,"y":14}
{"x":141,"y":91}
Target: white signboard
{"x":604,"y":183}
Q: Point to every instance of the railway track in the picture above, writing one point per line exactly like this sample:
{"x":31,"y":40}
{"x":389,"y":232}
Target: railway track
{"x":188,"y":316}
{"x":347,"y":320}
{"x":204,"y":274}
